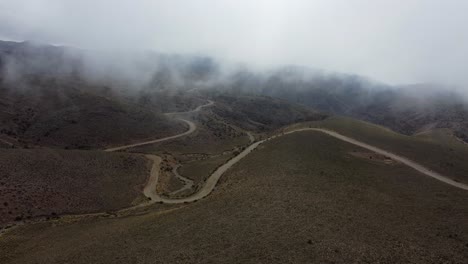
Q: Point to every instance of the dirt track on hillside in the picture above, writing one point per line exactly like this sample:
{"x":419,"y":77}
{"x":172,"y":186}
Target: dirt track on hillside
{"x":393,"y":156}
{"x":190,"y":130}
{"x":216,"y":175}
{"x":212,"y":180}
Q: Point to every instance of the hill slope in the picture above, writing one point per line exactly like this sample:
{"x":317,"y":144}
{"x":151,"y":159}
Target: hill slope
{"x":49,"y":183}
{"x":299,"y":198}
{"x":440,"y":151}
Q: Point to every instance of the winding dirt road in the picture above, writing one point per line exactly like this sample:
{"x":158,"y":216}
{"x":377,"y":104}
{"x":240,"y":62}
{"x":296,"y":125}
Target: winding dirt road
{"x":210,"y":184}
{"x":215,"y":176}
{"x":150,"y":188}
{"x":190,"y":130}
{"x":393,"y":156}
{"x":251,"y":137}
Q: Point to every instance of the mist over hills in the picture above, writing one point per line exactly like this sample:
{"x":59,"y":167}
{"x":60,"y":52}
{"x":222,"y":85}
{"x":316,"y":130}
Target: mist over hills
{"x":406,"y":110}
{"x":146,"y":80}
{"x":177,"y":121}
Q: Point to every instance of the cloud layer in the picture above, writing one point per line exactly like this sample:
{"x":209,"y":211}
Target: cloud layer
{"x":392,"y":41}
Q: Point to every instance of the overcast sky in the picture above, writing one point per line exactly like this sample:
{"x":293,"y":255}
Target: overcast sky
{"x":395,"y":41}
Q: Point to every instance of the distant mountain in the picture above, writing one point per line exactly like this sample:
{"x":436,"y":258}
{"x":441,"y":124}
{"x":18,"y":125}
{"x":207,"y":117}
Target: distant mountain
{"x":63,"y":97}
{"x":47,"y":98}
{"x":406,"y":109}
{"x":164,"y":83}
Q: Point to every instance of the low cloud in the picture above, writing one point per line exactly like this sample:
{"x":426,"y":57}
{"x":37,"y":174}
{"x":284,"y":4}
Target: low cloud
{"x":394,"y":42}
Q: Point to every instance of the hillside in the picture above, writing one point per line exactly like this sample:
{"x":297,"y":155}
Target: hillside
{"x":260,"y":113}
{"x":49,"y":183}
{"x":412,"y":110}
{"x":168,"y":83}
{"x":48,"y":99}
{"x":407,"y":109}
{"x":301,"y":197}
{"x":439,"y":151}
{"x":223,"y":130}
{"x":60,"y":115}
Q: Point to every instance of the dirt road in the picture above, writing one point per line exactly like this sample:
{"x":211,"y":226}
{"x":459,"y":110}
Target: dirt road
{"x":393,"y":156}
{"x":210,"y":184}
{"x":191,"y":129}
{"x":215,"y":176}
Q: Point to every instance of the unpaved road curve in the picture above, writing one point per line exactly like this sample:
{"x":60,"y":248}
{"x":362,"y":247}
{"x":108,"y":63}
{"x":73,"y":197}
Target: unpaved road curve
{"x":401,"y":159}
{"x":215,"y":176}
{"x":150,"y":187}
{"x":251,"y":137}
{"x":197,"y":109}
{"x":190,"y":130}
{"x":207,"y":188}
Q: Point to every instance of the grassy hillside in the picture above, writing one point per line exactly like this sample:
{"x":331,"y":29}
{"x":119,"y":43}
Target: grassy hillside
{"x":45,"y":182}
{"x":438,"y":150}
{"x":300,"y":198}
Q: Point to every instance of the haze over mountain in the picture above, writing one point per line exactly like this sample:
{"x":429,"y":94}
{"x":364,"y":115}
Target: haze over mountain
{"x":416,"y":44}
{"x":418,"y":41}
{"x":409,"y":109}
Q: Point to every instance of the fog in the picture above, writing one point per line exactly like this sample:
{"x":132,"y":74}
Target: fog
{"x":396,"y":42}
